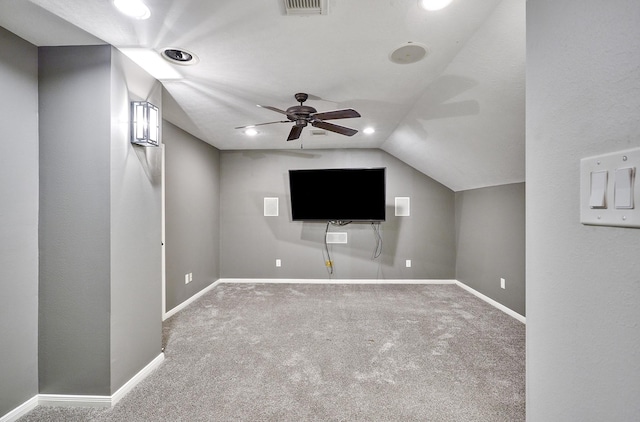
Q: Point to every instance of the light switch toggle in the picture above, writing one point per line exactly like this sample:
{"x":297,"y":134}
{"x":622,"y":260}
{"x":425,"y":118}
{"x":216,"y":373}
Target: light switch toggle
{"x":623,"y":188}
{"x":597,"y":197}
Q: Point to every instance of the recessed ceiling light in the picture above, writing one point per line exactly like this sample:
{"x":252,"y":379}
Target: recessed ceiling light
{"x":151,"y":61}
{"x":434,"y":4}
{"x":368,"y":130}
{"x":251,"y":132}
{"x":133,"y":8}
{"x":180,"y":56}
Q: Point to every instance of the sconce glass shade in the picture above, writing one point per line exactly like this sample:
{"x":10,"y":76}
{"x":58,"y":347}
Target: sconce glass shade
{"x":145,"y":124}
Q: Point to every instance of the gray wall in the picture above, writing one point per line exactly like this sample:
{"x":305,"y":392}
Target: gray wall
{"x":75,"y":127}
{"x":192,"y":195}
{"x":490,"y":242}
{"x":99,"y":291}
{"x":583,"y":282}
{"x":18,"y":221}
{"x":100,"y":227}
{"x":136,"y":227}
{"x":251,"y":243}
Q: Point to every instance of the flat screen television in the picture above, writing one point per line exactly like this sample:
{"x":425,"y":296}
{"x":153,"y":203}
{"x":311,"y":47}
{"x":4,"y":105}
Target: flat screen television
{"x":343,"y":194}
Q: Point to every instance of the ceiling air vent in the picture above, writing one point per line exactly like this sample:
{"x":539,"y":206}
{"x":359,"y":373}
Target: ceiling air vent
{"x":305,"y":7}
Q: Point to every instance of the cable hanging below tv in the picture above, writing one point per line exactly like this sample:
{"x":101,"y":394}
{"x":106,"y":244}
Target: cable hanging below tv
{"x":338,"y":194}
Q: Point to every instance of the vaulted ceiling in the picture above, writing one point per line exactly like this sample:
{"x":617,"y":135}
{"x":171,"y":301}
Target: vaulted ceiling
{"x":456,"y":115}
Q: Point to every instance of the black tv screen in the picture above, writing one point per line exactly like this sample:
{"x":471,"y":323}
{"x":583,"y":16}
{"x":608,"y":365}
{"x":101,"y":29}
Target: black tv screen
{"x":338,"y":194}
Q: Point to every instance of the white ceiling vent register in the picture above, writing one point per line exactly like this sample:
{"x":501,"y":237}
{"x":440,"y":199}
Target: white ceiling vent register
{"x":306,"y":7}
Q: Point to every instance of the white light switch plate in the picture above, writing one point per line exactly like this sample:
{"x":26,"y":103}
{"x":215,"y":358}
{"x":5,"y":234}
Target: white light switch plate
{"x":610,"y":215}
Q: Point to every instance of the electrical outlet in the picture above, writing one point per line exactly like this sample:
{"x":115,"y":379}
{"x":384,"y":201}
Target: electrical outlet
{"x":407,"y":263}
{"x":503,"y":283}
{"x":278,"y":263}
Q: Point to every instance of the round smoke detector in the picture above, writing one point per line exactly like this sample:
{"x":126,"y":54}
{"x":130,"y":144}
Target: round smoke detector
{"x":410,"y":52}
{"x":179,"y":56}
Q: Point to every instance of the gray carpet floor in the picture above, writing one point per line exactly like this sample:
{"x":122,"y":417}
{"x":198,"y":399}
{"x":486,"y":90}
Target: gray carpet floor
{"x":329,"y":352}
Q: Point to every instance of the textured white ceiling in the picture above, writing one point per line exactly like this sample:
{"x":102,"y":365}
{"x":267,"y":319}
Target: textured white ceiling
{"x":467,"y":128}
{"x":457,"y":115}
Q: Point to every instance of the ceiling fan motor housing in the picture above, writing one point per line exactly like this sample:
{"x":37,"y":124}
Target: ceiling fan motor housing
{"x":300,"y":113}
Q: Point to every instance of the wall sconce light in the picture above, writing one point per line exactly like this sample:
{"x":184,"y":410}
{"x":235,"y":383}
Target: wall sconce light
{"x":145,"y":124}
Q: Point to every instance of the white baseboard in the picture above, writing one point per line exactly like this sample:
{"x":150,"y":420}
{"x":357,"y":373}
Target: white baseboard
{"x":196,"y":296}
{"x":100,"y":401}
{"x":492,"y":302}
{"x":378,"y":281}
{"x":62,"y":400}
{"x":331,"y":281}
{"x":189,"y":301}
{"x":72,"y":400}
{"x":21,"y":410}
{"x":107,"y":401}
{"x":137,"y":378}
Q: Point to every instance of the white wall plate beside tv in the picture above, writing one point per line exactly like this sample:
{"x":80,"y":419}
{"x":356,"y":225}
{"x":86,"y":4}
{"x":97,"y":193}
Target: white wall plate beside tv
{"x":270,"y":207}
{"x":403,"y":206}
{"x":337,"y":237}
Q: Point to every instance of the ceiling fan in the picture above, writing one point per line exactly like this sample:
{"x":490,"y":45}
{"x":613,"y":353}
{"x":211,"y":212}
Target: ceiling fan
{"x":303,"y":115}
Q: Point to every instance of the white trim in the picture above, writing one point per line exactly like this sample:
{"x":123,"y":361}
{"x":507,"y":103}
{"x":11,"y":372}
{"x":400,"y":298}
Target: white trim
{"x":492,"y":302}
{"x":81,"y":400}
{"x":378,"y":281}
{"x":330,"y":281}
{"x":137,"y":378}
{"x":21,"y":410}
{"x":189,"y":301}
{"x":101,"y":401}
{"x":107,"y":401}
{"x":163,"y":235}
{"x":63,"y":400}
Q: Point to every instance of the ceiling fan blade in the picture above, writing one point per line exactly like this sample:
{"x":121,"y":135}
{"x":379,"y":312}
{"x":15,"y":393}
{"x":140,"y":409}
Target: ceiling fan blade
{"x":346,"y":113}
{"x":262,"y":124}
{"x":295,"y":133}
{"x":277,"y":110}
{"x":334,"y":128}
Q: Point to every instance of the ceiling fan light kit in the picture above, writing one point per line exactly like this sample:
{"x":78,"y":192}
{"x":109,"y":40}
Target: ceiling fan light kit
{"x":302,"y":115}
